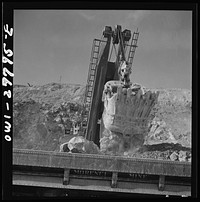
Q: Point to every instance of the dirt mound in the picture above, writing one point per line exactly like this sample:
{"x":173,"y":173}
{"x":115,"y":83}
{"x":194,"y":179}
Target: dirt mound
{"x":43,"y":114}
{"x":172,"y":122}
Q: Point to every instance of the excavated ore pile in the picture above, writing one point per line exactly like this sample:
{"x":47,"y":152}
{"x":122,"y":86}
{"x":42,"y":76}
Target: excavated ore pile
{"x":126,"y":116}
{"x":41,"y":115}
{"x":139,"y":122}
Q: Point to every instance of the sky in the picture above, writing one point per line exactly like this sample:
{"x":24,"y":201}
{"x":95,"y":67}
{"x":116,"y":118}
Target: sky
{"x":54,"y":45}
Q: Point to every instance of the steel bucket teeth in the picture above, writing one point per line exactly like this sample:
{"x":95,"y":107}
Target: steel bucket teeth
{"x":129,"y":107}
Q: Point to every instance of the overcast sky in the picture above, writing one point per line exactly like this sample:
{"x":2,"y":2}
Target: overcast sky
{"x":53,"y":43}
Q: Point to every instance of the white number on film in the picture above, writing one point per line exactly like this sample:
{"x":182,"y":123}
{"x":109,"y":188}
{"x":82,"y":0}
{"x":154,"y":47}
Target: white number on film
{"x":5,"y":81}
{"x":6,"y":71}
{"x":8,"y":52}
{"x":10,"y":33}
{"x":8,"y":93}
{"x":7,"y":104}
{"x":6,"y":60}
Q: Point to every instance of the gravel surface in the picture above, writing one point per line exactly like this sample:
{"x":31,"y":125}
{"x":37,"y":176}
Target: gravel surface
{"x":42,"y":114}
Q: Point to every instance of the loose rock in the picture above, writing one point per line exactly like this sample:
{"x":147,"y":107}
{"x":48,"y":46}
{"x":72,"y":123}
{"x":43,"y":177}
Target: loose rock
{"x":79,"y":145}
{"x":182,"y":156}
{"x":174,"y":156}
